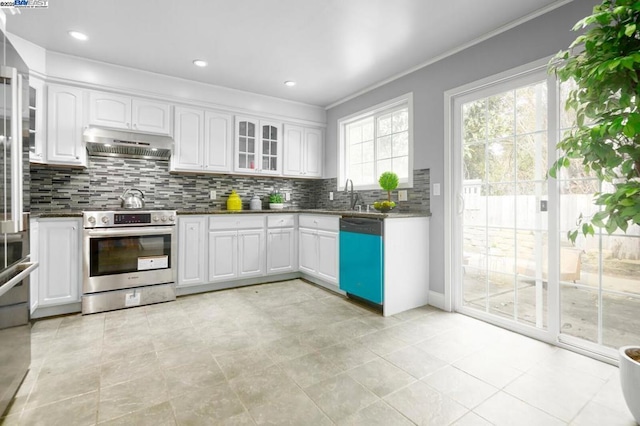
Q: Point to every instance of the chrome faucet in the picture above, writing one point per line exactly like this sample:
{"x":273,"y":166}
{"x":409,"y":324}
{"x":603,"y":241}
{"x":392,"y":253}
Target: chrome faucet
{"x":353,"y":197}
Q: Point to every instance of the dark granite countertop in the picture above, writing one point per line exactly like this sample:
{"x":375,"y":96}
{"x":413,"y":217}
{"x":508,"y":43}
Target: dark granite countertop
{"x":56,"y":213}
{"x":346,"y":213}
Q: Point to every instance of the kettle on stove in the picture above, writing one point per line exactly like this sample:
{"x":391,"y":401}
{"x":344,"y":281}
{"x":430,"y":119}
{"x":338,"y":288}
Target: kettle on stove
{"x":132,"y":198}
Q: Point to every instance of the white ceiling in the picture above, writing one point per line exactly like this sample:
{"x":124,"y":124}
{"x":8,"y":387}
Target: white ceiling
{"x":331,"y":48}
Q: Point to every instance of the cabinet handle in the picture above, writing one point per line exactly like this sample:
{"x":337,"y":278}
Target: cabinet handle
{"x":129,"y":125}
{"x":73,"y":228}
{"x":77,"y":157}
{"x":135,"y":126}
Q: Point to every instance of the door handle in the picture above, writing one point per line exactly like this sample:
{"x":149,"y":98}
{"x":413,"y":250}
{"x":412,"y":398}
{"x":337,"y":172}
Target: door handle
{"x":460,"y":204}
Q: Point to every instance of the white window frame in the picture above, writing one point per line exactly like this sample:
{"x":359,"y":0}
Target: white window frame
{"x":343,"y":156}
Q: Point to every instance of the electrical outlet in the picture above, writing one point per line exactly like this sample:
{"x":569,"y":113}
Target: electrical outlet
{"x":287,"y":196}
{"x":331,"y":196}
{"x":402,"y":195}
{"x":436,"y":189}
{"x":212,"y":194}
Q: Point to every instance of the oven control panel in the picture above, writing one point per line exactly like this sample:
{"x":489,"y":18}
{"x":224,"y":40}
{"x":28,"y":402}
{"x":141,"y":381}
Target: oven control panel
{"x":124,"y":218}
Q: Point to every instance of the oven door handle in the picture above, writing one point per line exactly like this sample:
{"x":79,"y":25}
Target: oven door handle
{"x":129,"y":232}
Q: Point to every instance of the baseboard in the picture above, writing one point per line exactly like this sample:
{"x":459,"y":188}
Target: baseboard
{"x":203,"y":288}
{"x":437,"y":300}
{"x":51,"y":311}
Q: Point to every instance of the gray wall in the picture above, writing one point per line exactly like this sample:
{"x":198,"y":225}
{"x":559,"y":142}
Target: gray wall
{"x":535,"y":39}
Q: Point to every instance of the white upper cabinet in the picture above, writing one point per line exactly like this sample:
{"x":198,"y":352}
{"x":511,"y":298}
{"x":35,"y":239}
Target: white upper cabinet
{"x":258,"y":146}
{"x":217,"y":142}
{"x":202,"y":141}
{"x":189,"y":139}
{"x":126,"y":113}
{"x":65,"y":123}
{"x":302,"y":152}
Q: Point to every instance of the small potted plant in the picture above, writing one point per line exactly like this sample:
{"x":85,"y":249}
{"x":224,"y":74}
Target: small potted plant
{"x":276,"y":201}
{"x":388,"y":181}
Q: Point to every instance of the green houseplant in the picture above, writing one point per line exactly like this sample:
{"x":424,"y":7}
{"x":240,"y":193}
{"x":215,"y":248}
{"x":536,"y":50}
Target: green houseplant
{"x":276,"y":201}
{"x":604,"y":63}
{"x":388,"y":181}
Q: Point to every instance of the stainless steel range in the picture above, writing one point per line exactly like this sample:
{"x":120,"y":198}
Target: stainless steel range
{"x":129,"y":259}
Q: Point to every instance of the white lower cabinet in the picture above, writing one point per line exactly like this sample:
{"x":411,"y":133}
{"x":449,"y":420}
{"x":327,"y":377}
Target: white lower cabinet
{"x":223,"y":255}
{"x":328,"y":248}
{"x":237,"y":247}
{"x":192,"y":250}
{"x":281,"y":244}
{"x":319,"y":247}
{"x":56,"y":246}
{"x":308,"y":253}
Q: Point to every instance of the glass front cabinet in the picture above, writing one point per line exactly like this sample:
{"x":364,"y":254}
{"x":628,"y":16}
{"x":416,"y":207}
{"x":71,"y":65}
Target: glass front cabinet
{"x":258,"y":146}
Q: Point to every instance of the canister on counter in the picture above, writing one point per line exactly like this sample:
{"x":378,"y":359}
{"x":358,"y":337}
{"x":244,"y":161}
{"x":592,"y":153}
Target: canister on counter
{"x":234,"y":202}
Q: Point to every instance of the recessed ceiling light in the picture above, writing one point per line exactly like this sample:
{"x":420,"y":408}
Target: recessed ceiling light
{"x":78,"y":35}
{"x":289,"y":83}
{"x":200,"y":63}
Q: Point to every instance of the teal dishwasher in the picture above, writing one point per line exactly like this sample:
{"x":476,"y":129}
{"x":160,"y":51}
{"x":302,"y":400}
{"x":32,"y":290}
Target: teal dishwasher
{"x":361,"y":258}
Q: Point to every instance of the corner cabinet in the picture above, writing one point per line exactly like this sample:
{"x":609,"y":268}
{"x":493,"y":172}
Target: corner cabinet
{"x":258,"y":146}
{"x":202,"y":141}
{"x":56,"y":247}
{"x":303,"y":151}
{"x":65,"y":123}
{"x":127,"y":113}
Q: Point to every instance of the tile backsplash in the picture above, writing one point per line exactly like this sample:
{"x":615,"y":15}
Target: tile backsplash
{"x":99,"y":185}
{"x":417,"y":197}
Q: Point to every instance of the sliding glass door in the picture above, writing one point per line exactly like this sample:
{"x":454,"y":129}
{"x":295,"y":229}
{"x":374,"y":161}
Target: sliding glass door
{"x":512,"y":262}
{"x":502,"y":205}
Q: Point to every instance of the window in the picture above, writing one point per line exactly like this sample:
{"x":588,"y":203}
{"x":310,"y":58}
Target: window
{"x":377,"y":140}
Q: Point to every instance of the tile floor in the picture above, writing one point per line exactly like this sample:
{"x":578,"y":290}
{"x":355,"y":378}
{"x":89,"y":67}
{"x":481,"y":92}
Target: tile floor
{"x":292,"y":353}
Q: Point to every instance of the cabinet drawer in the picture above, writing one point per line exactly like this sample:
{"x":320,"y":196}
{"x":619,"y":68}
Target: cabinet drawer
{"x":281,"y":221}
{"x":325,"y":222}
{"x":233,"y":221}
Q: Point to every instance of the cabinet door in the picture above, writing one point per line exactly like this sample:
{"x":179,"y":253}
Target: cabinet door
{"x":151,"y":116}
{"x":308,"y":252}
{"x":313,"y":153}
{"x":64,"y":126}
{"x":270,"y":148}
{"x":293,"y":151}
{"x":59,"y":257}
{"x":281,"y":250}
{"x":217,"y":142}
{"x":189,"y":134}
{"x":106,"y":109}
{"x":246,"y":145}
{"x":251,"y":253}
{"x":328,"y":256}
{"x":223,"y":255}
{"x":37,"y":131}
{"x":192,"y":265}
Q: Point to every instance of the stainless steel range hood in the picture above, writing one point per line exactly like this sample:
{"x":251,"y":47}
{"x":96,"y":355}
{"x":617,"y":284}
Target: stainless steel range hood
{"x":123,"y":144}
